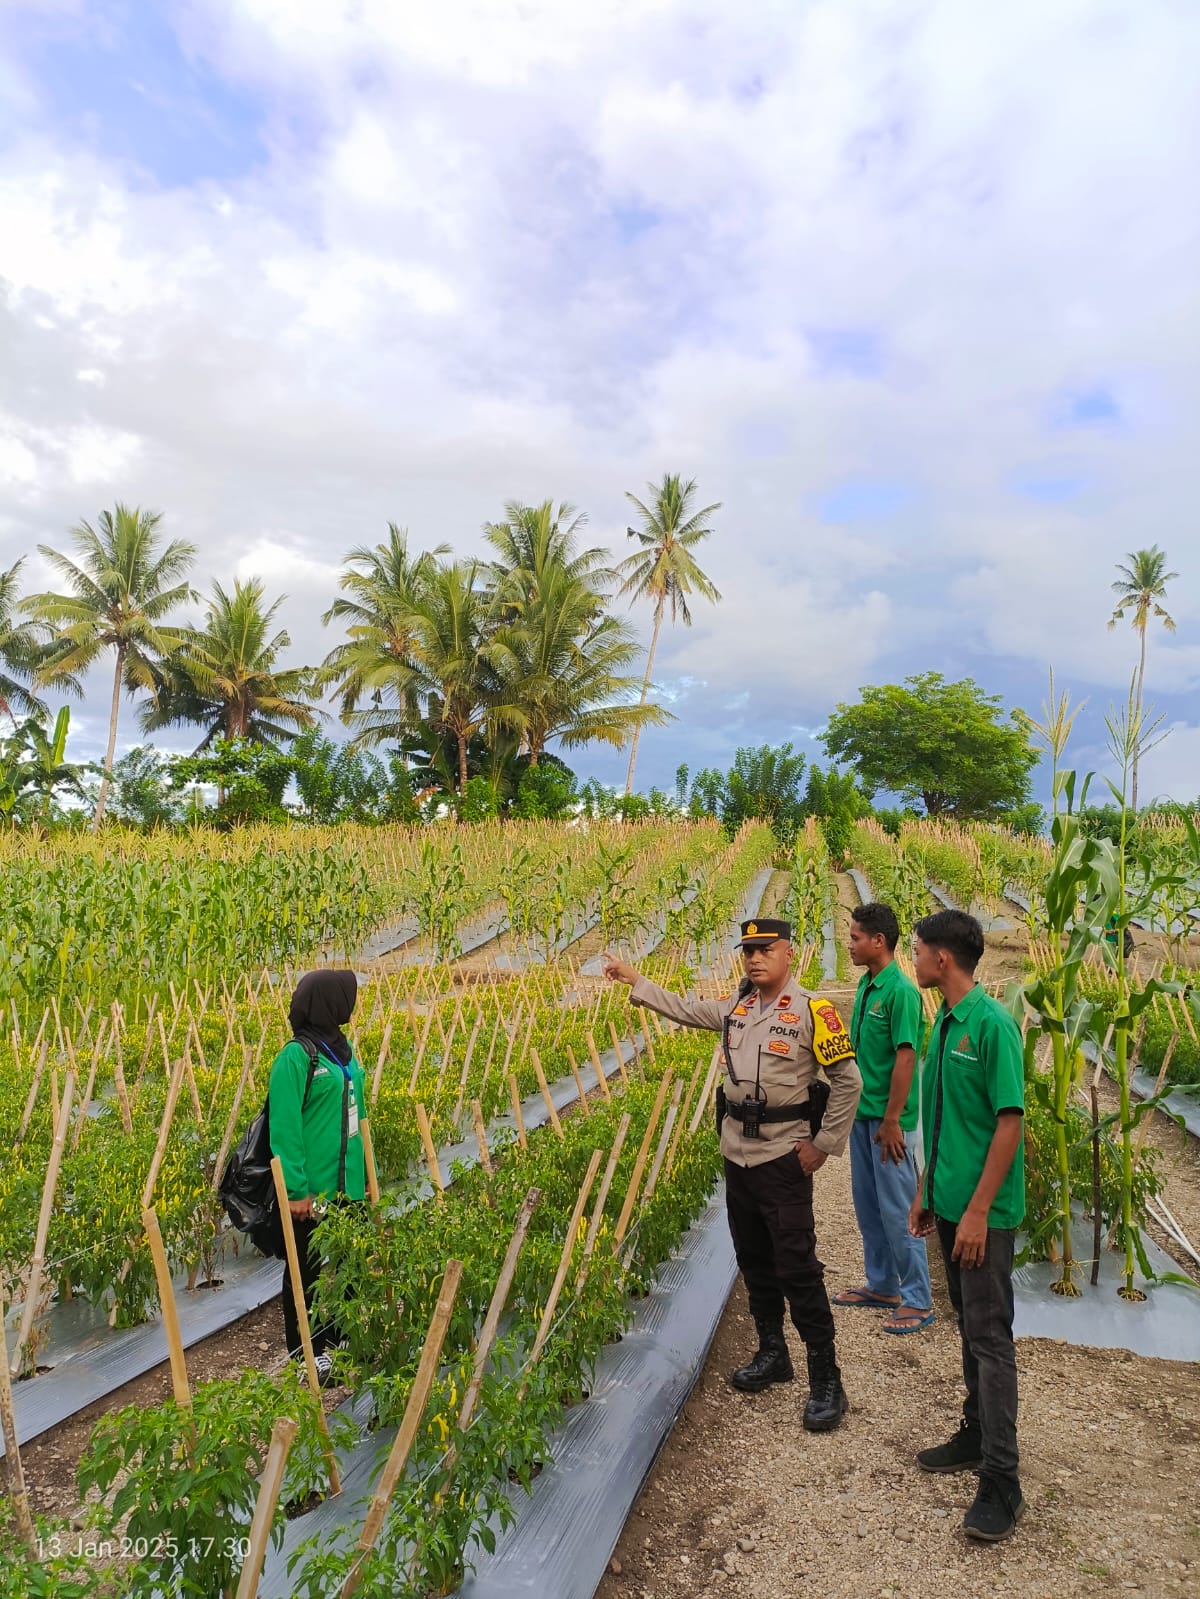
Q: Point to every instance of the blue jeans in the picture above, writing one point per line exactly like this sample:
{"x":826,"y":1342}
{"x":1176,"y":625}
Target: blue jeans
{"x":895,"y":1261}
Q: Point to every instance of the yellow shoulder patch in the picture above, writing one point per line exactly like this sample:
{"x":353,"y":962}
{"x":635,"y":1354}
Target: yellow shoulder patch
{"x":831,"y":1042}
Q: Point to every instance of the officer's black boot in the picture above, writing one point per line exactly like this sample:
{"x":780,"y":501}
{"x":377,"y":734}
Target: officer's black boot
{"x":827,"y":1402}
{"x":771,"y":1364}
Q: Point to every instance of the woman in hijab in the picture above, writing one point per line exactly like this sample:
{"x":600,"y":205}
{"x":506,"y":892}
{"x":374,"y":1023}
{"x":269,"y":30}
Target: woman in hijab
{"x":316,"y":1110}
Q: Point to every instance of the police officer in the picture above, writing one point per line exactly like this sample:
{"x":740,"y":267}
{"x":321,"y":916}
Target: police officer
{"x":776,"y":1039}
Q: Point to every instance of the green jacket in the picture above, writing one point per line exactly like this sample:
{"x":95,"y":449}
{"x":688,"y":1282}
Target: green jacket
{"x":309,"y":1141}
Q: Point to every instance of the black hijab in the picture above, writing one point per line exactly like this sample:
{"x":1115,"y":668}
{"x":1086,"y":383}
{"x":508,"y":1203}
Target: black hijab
{"x":321,"y":1006}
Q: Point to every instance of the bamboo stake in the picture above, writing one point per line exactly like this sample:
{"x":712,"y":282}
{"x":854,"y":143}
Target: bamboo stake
{"x":416,"y":1071}
{"x":466,"y":1069}
{"x":545,"y":1088}
{"x":269,"y":1487}
{"x":33,"y":1282}
{"x":715,"y":1066}
{"x":435,"y":1170}
{"x":170,"y":1312}
{"x":369,"y":1160}
{"x":380,"y":1061}
{"x":1187,"y":1016}
{"x":485,"y":1158}
{"x":564,"y":1266}
{"x":684,"y":1112}
{"x":12,"y":1453}
{"x":487,"y":1065}
{"x":584,"y":1103}
{"x":649,"y":1042}
{"x":119,"y":1072}
{"x":491,"y":1322}
{"x":310,"y":1362}
{"x":81,"y":1117}
{"x":512,"y":1038}
{"x":516,"y":1105}
{"x":664,"y":1139}
{"x":483,"y":1349}
{"x":164,"y":1130}
{"x":598,"y":1068}
{"x":639,"y":1165}
{"x":1168,"y":1053}
{"x":601,"y":1199}
{"x":414,"y":1409}
{"x":616,"y":1044}
{"x":33,"y":1089}
{"x":231,"y":1122}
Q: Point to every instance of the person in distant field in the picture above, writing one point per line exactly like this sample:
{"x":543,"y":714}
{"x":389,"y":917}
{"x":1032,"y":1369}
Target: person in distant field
{"x":973,"y":1197}
{"x":316,"y":1130}
{"x":777,"y":1038}
{"x":885,"y":1029}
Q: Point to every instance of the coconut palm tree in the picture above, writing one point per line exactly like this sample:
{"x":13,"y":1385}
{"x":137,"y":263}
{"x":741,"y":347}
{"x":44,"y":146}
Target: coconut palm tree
{"x":380,"y":587}
{"x":121,"y":588}
{"x":563,"y":661}
{"x":1141,"y":588}
{"x":21,"y":652}
{"x":664,"y":568}
{"x":452,"y":673}
{"x":226,"y":676}
{"x":537,"y":539}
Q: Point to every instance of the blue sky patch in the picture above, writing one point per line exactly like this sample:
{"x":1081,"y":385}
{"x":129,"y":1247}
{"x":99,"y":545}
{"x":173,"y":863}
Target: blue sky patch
{"x":130,"y":93}
{"x":1092,"y":407}
{"x":861,"y":500}
{"x":1050,"y":490}
{"x":854,"y":350}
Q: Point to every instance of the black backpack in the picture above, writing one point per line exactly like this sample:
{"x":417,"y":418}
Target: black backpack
{"x":247,"y":1188}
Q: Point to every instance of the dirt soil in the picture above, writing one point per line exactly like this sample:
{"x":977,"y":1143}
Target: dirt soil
{"x":50,"y":1461}
{"x":743,"y":1502}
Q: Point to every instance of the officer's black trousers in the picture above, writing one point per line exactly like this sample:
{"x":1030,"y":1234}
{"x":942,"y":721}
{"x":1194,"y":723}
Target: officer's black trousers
{"x":771,"y":1219}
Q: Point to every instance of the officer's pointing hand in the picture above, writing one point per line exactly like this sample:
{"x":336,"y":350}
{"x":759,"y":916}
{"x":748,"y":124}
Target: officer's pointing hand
{"x":618,"y":971}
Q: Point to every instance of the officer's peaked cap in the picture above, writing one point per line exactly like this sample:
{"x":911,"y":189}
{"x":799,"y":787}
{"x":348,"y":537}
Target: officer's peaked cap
{"x":764,"y":930}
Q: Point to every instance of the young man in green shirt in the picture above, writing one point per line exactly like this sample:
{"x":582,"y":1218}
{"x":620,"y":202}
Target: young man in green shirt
{"x":885,"y":1029}
{"x":972,"y":1117}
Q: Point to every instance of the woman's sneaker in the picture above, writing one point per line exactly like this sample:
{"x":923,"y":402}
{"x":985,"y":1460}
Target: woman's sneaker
{"x":963,"y":1452}
{"x":324,"y":1365}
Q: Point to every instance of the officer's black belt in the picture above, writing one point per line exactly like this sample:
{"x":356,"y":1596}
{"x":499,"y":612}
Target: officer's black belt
{"x":770,"y":1113}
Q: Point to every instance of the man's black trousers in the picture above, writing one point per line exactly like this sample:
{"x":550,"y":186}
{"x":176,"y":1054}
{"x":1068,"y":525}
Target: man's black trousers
{"x":771,"y":1220}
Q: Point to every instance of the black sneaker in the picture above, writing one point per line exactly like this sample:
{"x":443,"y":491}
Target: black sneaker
{"x":963,"y":1452}
{"x":324,"y":1365}
{"x":997,"y":1509}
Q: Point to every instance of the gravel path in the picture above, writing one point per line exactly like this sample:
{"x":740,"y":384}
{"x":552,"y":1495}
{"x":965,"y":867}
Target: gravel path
{"x":742,"y":1502}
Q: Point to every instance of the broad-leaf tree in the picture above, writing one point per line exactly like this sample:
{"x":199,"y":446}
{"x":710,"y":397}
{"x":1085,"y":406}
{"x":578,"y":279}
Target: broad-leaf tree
{"x":381,"y":586}
{"x":664,"y":569}
{"x":1141,"y":588}
{"x":21,"y":652}
{"x":947,"y":746}
{"x":121,"y":586}
{"x":227,"y":676}
{"x":764,"y":783}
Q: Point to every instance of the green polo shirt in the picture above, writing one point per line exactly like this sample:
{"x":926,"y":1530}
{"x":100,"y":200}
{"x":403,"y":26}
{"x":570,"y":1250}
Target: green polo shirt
{"x":886,"y":1016}
{"x":973,"y":1069}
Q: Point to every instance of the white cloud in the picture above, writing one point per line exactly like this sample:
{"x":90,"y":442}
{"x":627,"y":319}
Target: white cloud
{"x":515,"y":248}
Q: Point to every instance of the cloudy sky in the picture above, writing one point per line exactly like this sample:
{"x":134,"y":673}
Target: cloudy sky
{"x":911,"y":287}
